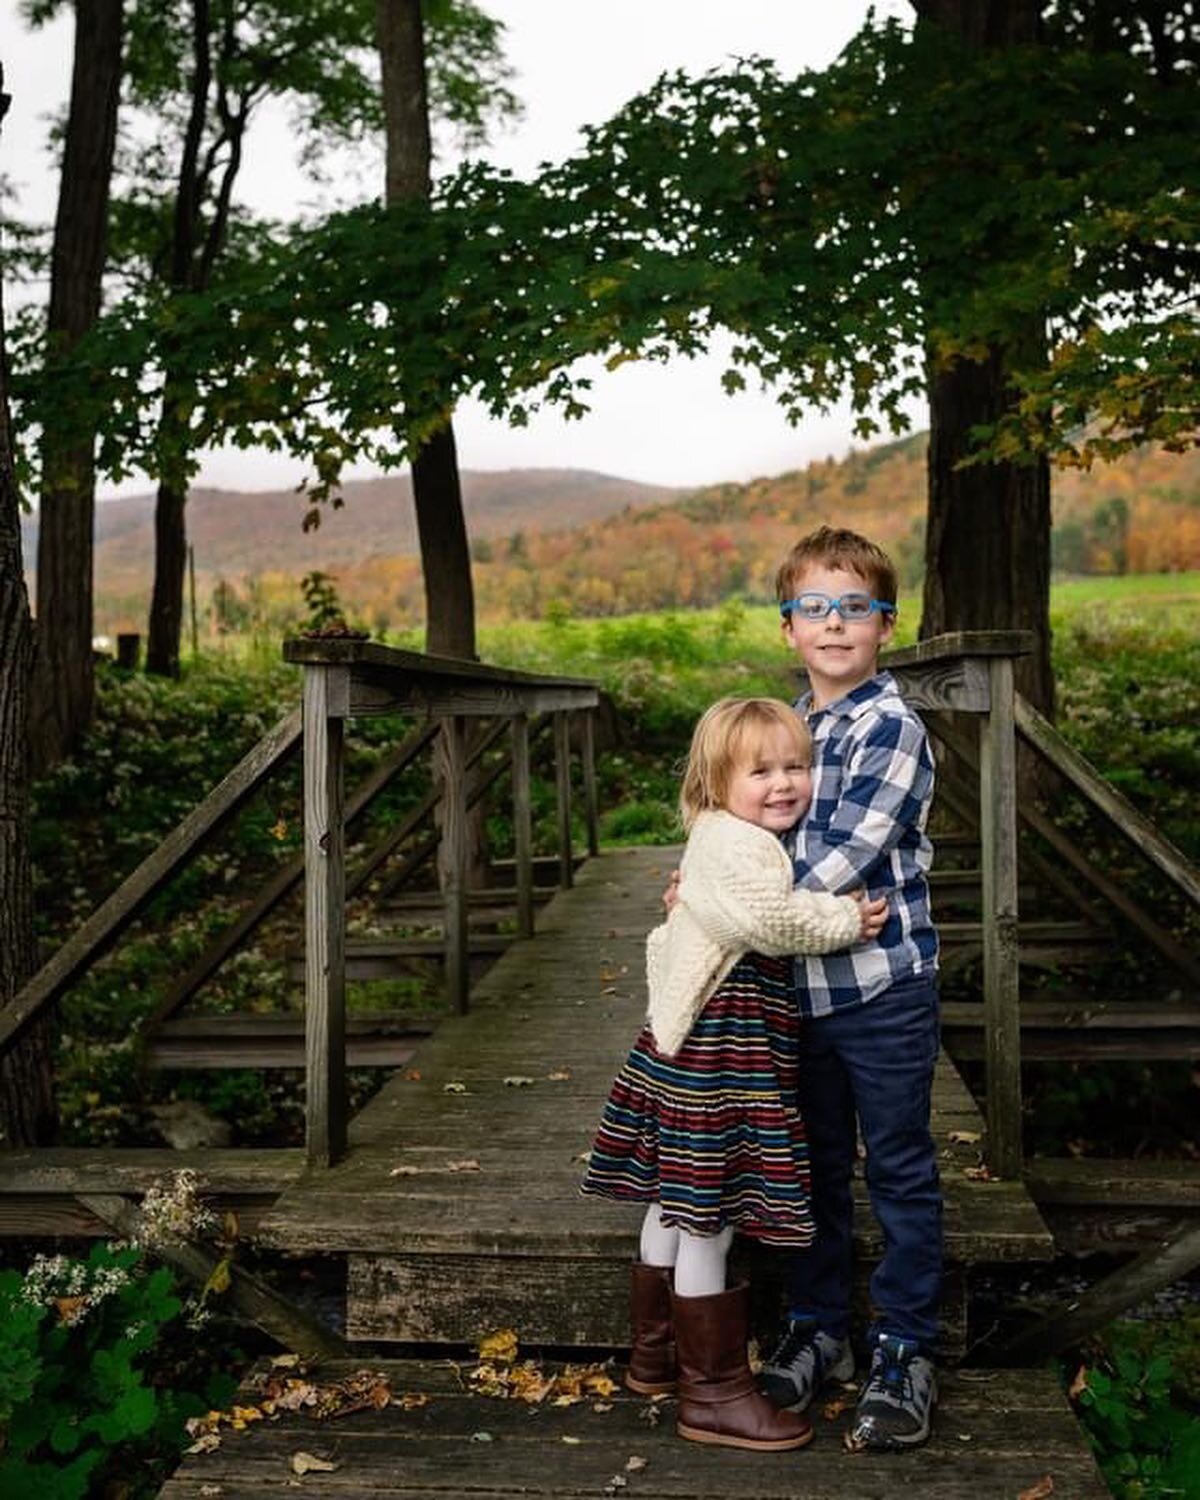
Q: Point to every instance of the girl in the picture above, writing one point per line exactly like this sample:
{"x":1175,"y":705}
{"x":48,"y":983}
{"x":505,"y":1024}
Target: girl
{"x":701,"y":1121}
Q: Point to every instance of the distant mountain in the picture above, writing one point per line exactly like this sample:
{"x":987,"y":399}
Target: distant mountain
{"x":594,"y":544}
{"x":237,"y":533}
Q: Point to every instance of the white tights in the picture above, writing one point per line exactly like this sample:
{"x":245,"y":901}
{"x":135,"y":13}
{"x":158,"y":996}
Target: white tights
{"x":699,"y":1260}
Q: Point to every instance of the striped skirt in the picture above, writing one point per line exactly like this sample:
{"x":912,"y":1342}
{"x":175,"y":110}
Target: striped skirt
{"x":714,"y":1134}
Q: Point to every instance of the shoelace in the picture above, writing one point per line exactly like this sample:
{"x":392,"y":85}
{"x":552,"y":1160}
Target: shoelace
{"x":790,"y":1345}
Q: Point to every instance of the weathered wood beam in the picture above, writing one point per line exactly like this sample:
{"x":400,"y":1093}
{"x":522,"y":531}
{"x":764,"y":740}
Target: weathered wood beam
{"x":292,"y":1327}
{"x":1173,"y":1258}
{"x":1136,"y":827}
{"x":324,"y":923}
{"x":522,"y":824}
{"x":135,"y":892}
{"x":562,"y":786}
{"x":452,"y":756}
{"x":1001,"y":972}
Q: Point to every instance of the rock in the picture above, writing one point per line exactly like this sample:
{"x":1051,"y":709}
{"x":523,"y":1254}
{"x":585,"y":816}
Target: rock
{"x":186,"y":1125}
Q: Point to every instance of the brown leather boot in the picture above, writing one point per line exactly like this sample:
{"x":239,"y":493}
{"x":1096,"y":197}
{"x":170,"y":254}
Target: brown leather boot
{"x":651,"y":1369}
{"x":718,"y":1400}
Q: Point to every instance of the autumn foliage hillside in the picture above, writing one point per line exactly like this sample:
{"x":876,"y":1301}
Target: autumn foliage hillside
{"x":599,"y":556}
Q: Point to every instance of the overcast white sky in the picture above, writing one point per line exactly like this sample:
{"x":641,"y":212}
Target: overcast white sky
{"x":576,"y":61}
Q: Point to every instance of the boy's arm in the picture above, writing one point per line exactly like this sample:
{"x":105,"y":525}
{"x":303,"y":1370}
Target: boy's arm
{"x":886,"y":786}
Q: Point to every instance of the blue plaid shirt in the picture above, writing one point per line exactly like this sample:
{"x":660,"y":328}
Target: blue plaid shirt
{"x":872,"y":785}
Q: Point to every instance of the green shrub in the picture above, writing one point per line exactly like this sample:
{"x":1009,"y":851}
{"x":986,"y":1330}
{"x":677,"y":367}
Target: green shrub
{"x":77,"y":1350}
{"x":1138,"y":1405}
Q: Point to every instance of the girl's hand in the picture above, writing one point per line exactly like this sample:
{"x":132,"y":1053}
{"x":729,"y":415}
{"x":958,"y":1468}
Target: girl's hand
{"x":671,"y":894}
{"x":872,"y":915}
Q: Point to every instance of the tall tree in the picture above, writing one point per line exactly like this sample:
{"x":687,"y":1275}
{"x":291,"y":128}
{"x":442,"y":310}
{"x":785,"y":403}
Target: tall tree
{"x":63,"y":676}
{"x":26,"y":1084}
{"x":987,"y":536}
{"x":437,"y":493}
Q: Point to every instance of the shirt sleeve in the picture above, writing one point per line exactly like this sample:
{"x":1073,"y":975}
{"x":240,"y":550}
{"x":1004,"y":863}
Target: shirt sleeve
{"x":887,"y":781}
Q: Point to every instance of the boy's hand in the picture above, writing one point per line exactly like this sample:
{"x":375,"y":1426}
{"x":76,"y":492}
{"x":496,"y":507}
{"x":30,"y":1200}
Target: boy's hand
{"x":872,"y":915}
{"x":671,"y":894}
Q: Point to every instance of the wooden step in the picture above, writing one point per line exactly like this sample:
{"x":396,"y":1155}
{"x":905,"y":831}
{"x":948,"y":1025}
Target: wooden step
{"x":1040,"y":944}
{"x":242,"y":1040}
{"x":391,"y":957}
{"x":998,"y":1435}
{"x":1070,"y":1030}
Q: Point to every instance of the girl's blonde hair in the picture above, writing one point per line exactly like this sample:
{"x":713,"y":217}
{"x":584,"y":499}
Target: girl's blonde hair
{"x":729,"y":734}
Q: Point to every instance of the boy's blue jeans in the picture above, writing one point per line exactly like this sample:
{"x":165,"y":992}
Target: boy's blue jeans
{"x":873,"y":1061}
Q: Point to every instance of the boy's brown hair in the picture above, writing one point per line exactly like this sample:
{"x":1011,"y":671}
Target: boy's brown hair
{"x":834,"y":547}
{"x":728,"y":734}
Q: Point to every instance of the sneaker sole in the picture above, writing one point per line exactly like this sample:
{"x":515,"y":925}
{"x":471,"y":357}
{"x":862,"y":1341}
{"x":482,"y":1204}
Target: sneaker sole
{"x":720,"y":1440}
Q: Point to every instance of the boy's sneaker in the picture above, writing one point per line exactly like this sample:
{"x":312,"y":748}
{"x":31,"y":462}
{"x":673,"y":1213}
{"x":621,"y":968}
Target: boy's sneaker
{"x":800,"y":1364}
{"x":896,"y":1405}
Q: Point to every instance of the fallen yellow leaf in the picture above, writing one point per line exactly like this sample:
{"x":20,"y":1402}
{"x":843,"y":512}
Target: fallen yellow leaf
{"x":1040,"y":1490}
{"x":500,"y":1344}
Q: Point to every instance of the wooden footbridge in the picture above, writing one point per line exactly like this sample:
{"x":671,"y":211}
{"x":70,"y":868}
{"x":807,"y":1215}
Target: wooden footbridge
{"x":451,"y":1199}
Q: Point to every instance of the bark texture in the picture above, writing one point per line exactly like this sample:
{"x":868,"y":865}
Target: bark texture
{"x":437,"y":494}
{"x":63,"y":690}
{"x":26,"y":1081}
{"x":987,"y":544}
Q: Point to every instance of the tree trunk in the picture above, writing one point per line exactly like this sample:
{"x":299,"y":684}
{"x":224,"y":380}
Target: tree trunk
{"x":987,"y":546}
{"x":63,"y":684}
{"x":170,"y":560}
{"x":987,"y":540}
{"x":26,"y":1079}
{"x":445,"y":554}
{"x":170,"y":527}
{"x":437,"y":496}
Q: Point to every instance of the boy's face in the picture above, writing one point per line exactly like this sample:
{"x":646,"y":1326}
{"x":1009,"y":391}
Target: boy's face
{"x":839,"y":654}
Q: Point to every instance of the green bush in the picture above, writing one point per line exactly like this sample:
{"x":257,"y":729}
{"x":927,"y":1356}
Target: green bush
{"x":1138,"y":1404}
{"x":77,"y":1352}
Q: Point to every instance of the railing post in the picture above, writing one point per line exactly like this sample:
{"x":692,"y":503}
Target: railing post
{"x":324,"y":917}
{"x":452,"y":745}
{"x":522,"y":824}
{"x":591,"y":811}
{"x":1001,"y":982}
{"x":562,"y":785}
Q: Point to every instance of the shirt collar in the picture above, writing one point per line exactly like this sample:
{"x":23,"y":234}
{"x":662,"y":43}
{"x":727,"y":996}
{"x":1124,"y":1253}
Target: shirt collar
{"x":851,"y":705}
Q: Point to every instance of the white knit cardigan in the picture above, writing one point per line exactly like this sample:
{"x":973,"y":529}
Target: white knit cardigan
{"x":735,"y":896}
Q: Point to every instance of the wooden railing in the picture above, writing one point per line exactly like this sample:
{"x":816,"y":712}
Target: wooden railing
{"x":346,"y":679}
{"x":972,"y":672}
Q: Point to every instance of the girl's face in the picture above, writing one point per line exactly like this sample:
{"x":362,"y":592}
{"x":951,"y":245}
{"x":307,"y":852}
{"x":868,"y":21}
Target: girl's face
{"x":772,"y":786}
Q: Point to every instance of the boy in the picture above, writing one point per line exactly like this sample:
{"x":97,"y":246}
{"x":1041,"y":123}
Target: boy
{"x":869,"y":1038}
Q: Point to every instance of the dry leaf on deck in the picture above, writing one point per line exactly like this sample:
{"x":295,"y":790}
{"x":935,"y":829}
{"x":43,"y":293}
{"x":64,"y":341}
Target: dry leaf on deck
{"x":1038,"y":1491}
{"x":469,"y":1165}
{"x":573,"y":1441}
{"x":978,"y":1174}
{"x":635,"y":1462}
{"x":205,"y":1444}
{"x":835,"y":1407}
{"x":454,"y":1088}
{"x":964,"y":1137}
{"x":560,"y":1075}
{"x":413,"y":1075}
{"x":405,"y":1171}
{"x":517,"y":1081}
{"x":410,"y":1400}
{"x":285,"y":1361}
{"x":309,"y":1463}
{"x":1079,"y":1384}
{"x":500,"y":1344}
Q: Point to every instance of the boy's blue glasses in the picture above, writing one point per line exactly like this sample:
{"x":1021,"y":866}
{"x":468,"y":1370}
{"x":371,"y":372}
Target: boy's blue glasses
{"x":849,"y":606}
